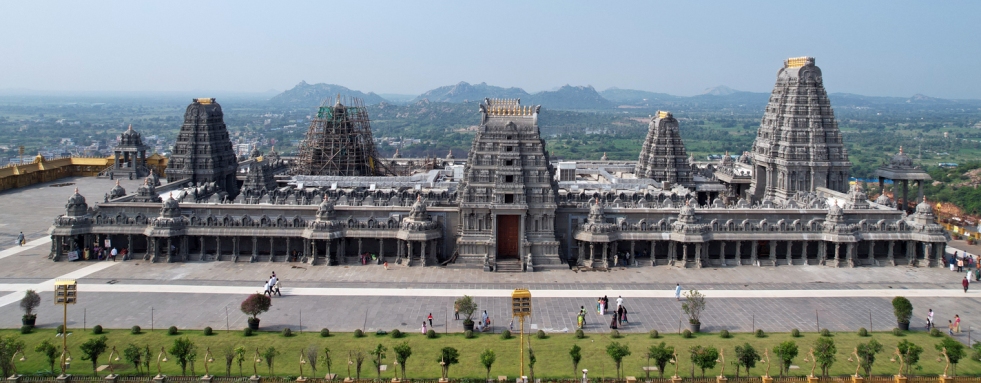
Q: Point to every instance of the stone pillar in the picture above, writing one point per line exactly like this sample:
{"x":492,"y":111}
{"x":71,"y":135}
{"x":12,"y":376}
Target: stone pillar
{"x":272,"y":247}
{"x":632,"y":254}
{"x":360,"y":247}
{"x":606,"y":255}
{"x":653,"y":257}
{"x":882,"y":185}
{"x":255,"y":249}
{"x":940,"y":249}
{"x":235,"y":249}
{"x":699,"y":257}
{"x":837,"y":261}
{"x":422,"y":253}
{"x":773,"y":252}
{"x":129,"y":245}
{"x":672,"y":253}
{"x":871,"y":253}
{"x":803,"y":251}
{"x":822,"y":252}
{"x":592,"y":253}
{"x":851,"y":252}
{"x":905,"y":194}
{"x":201,"y":241}
{"x":722,"y":253}
{"x":328,"y":257}
{"x":739,"y":253}
{"x":889,"y":257}
{"x":170,"y":251}
{"x":790,"y":254}
{"x":927,"y":253}
{"x":684,"y":254}
{"x":288,"y":240}
{"x":919,"y":190}
{"x":754,"y":251}
{"x":381,"y":250}
{"x":911,"y":253}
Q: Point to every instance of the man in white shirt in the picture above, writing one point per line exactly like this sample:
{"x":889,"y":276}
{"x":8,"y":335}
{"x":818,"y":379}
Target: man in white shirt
{"x":619,"y":301}
{"x":113,"y":254}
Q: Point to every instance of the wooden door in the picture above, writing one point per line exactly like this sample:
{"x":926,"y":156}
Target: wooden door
{"x":508,"y":231}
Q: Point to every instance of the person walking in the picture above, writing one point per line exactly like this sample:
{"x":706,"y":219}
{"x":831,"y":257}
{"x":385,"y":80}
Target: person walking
{"x":929,"y":319}
{"x":606,"y":304}
{"x":677,"y":292}
{"x":423,"y":328}
{"x":582,"y":315}
{"x":20,"y":239}
{"x":950,"y":327}
{"x":619,"y":301}
{"x":960,"y":265}
{"x":456,"y":311}
{"x":430,"y":319}
{"x":957,"y":323}
{"x":965,"y":283}
{"x":113,"y":253}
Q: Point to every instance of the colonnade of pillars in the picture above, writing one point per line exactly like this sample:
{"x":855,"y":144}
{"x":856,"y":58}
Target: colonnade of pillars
{"x":759,"y":253}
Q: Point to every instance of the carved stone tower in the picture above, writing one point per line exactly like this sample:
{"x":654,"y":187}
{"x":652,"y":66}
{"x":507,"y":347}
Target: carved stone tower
{"x":507,"y":196}
{"x":203,"y":151}
{"x":663,"y":158}
{"x":798,"y":146}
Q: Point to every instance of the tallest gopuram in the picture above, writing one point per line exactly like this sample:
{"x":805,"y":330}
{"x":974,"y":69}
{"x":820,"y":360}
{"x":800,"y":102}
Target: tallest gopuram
{"x":203,"y":151}
{"x":798,"y":146}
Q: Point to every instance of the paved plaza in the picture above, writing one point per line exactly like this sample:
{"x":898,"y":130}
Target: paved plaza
{"x":344,"y":298}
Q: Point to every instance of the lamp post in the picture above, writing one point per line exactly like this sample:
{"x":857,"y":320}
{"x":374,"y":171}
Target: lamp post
{"x":521,"y":308}
{"x":161,"y":357}
{"x":15,"y":377}
{"x":65,"y":294}
{"x":255,"y":365}
{"x":208,"y":358}
{"x":112,"y":371}
{"x":302,"y":362}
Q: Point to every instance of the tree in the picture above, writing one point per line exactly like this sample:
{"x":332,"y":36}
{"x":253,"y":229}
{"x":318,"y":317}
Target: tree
{"x":132,"y":354}
{"x":229,"y":353}
{"x":9,"y":346}
{"x":903,"y":309}
{"x":955,"y":351}
{"x":746,"y":356}
{"x":910,"y":354}
{"x":487,"y":359}
{"x":312,"y":354}
{"x":358,"y":356}
{"x":327,"y":360}
{"x":191,"y":358}
{"x":704,"y":358}
{"x":92,"y":349}
{"x":661,"y":354}
{"x":786,"y":352}
{"x":617,"y":352}
{"x":270,"y":355}
{"x":402,"y":354}
{"x":377,"y":356}
{"x":824,"y":353}
{"x":448,"y":356}
{"x":240,"y":357}
{"x":146,"y":358}
{"x":181,"y":350}
{"x":693,"y":306}
{"x":29,"y":303}
{"x":51,"y":353}
{"x":254,"y":305}
{"x":866,"y":354}
{"x":576,"y":354}
{"x":467,"y":306}
{"x":532,"y":359}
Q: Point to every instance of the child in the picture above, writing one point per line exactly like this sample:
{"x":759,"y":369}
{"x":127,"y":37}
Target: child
{"x":950,"y":327}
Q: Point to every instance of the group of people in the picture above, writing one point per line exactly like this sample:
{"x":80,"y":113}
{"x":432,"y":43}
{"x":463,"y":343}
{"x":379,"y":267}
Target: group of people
{"x":272,"y":286}
{"x":953,"y":326}
{"x":602,"y":307}
{"x":364,"y":257}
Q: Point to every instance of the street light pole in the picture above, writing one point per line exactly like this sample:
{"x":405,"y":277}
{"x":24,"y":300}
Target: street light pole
{"x":65,"y":294}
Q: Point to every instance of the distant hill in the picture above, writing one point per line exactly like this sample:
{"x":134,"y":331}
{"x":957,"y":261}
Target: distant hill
{"x":305,"y":95}
{"x":635,"y":97}
{"x":464,"y":92}
{"x":720,"y":90}
{"x":570,"y":97}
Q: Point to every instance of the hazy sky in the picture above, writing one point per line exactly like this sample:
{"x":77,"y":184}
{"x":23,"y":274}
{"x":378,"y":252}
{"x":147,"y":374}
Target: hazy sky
{"x":883,"y":48}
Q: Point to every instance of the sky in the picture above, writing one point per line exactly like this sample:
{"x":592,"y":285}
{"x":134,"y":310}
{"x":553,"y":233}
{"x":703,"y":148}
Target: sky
{"x":876,"y":48}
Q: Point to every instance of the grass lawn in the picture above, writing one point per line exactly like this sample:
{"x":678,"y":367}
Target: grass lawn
{"x":552,"y":353}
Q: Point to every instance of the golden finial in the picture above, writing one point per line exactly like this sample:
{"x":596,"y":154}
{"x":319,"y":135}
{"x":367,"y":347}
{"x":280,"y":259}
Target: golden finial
{"x":900,"y":149}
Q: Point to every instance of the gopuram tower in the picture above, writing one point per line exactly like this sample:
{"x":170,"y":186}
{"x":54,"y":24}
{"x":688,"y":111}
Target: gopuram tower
{"x":507,"y":196}
{"x":339,"y":143}
{"x":663,"y":157}
{"x":798,"y":146}
{"x":203,"y":152}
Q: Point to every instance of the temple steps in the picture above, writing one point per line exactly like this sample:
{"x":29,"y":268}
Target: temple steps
{"x":508,"y":266}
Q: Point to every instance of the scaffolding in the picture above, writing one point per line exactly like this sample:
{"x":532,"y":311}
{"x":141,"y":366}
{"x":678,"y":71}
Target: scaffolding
{"x":339,"y":142}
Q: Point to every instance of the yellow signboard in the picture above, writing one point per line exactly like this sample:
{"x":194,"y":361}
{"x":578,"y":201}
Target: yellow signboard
{"x":65,"y":292}
{"x":521,"y":302}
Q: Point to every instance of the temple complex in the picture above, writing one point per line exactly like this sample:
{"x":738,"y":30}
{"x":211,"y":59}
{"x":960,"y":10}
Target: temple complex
{"x":508,"y":207}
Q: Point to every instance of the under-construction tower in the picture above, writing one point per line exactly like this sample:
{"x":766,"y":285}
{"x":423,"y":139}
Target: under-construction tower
{"x":339,"y":143}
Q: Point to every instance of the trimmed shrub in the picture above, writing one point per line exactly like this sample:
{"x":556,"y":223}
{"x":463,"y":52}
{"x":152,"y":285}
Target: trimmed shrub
{"x":135,"y":330}
{"x":506,"y":334}
{"x":26,"y":329}
{"x":247,"y":332}
{"x":97,"y":329}
{"x":61,"y":329}
{"x":287,"y":332}
{"x":396,"y":334}
{"x":863,"y":332}
{"x":324,"y":333}
{"x":580,"y":334}
{"x":725,"y":334}
{"x":431,"y":334}
{"x":795,"y":333}
{"x":615,"y":334}
{"x":654,"y":334}
{"x":172,"y":330}
{"x":686,"y":334}
{"x":381,"y":332}
{"x":468,"y":334}
{"x":903,"y":309}
{"x":825,"y":332}
{"x":358,"y":333}
{"x":897,"y":332}
{"x":541,"y":334}
{"x":936,"y":333}
{"x":208,"y":331}
{"x":760,"y":334}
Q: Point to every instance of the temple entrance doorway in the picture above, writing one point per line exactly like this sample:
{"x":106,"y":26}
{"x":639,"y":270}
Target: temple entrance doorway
{"x":508,"y":231}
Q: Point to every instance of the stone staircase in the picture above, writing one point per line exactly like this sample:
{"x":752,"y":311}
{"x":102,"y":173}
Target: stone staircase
{"x":508,"y":266}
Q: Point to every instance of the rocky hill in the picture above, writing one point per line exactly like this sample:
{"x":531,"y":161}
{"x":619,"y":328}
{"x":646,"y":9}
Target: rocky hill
{"x":570,"y":97}
{"x":464,"y":92}
{"x":309,"y":96}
